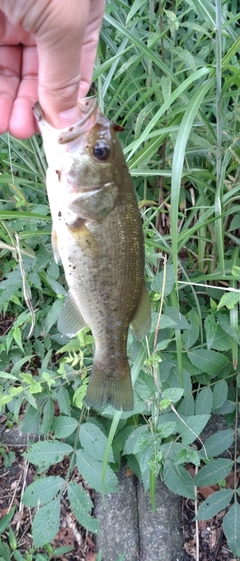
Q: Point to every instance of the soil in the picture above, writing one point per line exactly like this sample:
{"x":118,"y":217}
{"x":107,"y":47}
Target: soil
{"x":212,"y":544}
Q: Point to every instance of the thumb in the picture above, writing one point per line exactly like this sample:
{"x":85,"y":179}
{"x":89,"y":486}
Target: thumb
{"x":59,"y":41}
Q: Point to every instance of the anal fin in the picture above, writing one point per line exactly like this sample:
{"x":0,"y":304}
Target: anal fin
{"x":70,"y":320}
{"x":142,"y":320}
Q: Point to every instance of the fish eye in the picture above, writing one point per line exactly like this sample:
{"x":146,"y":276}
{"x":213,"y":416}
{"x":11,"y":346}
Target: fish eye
{"x":101,"y":151}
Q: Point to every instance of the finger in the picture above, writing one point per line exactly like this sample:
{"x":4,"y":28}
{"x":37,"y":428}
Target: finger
{"x":22,"y":122}
{"x":59,"y":47}
{"x":10,"y":68}
{"x":12,"y":35}
{"x":90,"y":42}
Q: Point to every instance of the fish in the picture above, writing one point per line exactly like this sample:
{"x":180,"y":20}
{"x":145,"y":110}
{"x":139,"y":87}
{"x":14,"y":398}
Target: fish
{"x":97,"y":235}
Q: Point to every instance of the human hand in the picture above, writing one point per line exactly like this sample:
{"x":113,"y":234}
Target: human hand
{"x":47,"y":53}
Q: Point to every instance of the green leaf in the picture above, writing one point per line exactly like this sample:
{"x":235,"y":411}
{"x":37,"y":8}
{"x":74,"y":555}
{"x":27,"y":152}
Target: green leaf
{"x":187,"y":455}
{"x":145,"y":386}
{"x":157,"y":283}
{"x":224,"y":323}
{"x":81,"y":505}
{"x":221,"y":342}
{"x":162,"y":345}
{"x":210,"y":329}
{"x":80,"y":394}
{"x":119,"y":441}
{"x":236,"y":271}
{"x":53,"y":315}
{"x":48,"y":413}
{"x":145,"y":454}
{"x":31,"y":421}
{"x":218,"y":442}
{"x":45,"y":454}
{"x":63,"y":426}
{"x":213,"y":472}
{"x":204,"y":401}
{"x":5,"y":552}
{"x":13,"y":214}
{"x":145,"y":438}
{"x":174,"y":380}
{"x":173,"y":394}
{"x":17,"y":335}
{"x":94,"y":441}
{"x":179,"y":320}
{"x":228,"y":407}
{"x":91,"y":470}
{"x":132,"y":439}
{"x":60,"y":551}
{"x":18,"y":556}
{"x":178,"y":480}
{"x":137,"y":4}
{"x":64,"y":401}
{"x":190,"y":427}
{"x":7,"y":376}
{"x":231,"y":525}
{"x":16,"y":369}
{"x":46,"y":523}
{"x":165,"y":403}
{"x":5,"y":521}
{"x":190,"y":336}
{"x":214,"y":504}
{"x":230,"y":299}
{"x":207,"y":361}
{"x":220,"y":393}
{"x":186,"y":407}
{"x":42,"y":490}
{"x":165,"y":322}
{"x":166,"y":429}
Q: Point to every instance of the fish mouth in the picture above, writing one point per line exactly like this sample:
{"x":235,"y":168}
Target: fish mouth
{"x":84,"y":192}
{"x":86,"y":106}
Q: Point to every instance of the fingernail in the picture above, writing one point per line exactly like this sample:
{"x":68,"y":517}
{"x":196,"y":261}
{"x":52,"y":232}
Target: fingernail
{"x":68,"y":117}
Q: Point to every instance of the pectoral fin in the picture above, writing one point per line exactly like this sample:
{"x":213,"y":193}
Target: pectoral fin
{"x":55,"y":246}
{"x":142,"y":320}
{"x":70,"y":320}
{"x":85,"y":240}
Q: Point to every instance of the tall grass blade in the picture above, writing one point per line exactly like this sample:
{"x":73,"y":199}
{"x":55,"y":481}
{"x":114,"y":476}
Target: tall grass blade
{"x":178,"y":159}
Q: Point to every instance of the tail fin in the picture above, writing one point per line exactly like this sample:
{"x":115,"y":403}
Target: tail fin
{"x":113,"y":387}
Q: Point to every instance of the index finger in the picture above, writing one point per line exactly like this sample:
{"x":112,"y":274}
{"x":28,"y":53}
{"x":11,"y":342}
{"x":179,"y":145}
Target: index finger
{"x":10,"y":69}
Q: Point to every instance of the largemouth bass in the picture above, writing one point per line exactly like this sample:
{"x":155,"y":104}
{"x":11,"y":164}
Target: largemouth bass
{"x":97,"y":234}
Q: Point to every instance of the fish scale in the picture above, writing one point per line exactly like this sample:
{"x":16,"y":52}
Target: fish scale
{"x":97,"y":234}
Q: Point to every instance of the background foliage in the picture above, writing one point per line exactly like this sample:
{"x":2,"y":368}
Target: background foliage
{"x":169,"y":73}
